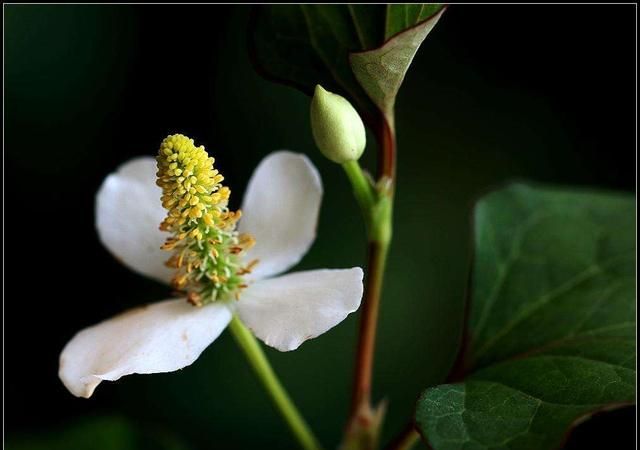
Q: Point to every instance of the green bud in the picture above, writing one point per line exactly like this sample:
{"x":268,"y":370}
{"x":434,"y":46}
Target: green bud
{"x":336,"y":126}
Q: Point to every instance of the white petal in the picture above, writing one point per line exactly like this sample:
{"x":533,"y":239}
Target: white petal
{"x":128,"y":213}
{"x":286,"y":311}
{"x":280,"y":210}
{"x":161,"y":337}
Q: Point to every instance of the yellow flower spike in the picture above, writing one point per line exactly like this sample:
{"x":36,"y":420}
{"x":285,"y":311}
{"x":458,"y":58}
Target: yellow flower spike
{"x":204,"y":241}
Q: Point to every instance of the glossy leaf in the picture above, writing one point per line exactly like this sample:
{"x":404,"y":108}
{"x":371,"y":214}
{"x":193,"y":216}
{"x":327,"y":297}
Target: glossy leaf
{"x":551,"y":325}
{"x":305,"y":45}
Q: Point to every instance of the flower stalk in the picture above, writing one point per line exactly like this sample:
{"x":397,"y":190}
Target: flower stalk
{"x":256,"y":357}
{"x":362,"y":189}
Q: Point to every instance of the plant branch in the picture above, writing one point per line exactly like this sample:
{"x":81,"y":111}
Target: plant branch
{"x":263,"y":369}
{"x":368,"y":321}
{"x":387,"y":142}
{"x":364,"y":420}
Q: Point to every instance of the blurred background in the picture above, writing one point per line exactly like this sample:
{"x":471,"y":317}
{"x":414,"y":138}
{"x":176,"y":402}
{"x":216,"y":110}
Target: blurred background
{"x":496,"y":93}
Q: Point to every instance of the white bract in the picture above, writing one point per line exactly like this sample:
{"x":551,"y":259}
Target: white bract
{"x":280,"y":210}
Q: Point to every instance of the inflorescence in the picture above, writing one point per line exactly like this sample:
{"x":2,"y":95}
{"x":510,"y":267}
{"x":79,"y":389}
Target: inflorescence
{"x":205,"y":244}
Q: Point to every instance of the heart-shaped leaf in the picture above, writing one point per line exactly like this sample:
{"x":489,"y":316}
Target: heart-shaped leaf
{"x":305,"y":45}
{"x":551,"y":325}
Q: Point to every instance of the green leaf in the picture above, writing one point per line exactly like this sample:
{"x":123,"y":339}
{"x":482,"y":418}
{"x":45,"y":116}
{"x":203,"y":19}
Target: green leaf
{"x":381,"y":71}
{"x":305,"y":45}
{"x":98,"y":433}
{"x":551,"y":325}
{"x":402,"y":17}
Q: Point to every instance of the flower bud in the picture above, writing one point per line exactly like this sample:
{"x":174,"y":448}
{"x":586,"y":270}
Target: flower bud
{"x":336,"y":126}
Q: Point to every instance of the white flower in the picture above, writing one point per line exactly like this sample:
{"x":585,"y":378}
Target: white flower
{"x":280,"y":210}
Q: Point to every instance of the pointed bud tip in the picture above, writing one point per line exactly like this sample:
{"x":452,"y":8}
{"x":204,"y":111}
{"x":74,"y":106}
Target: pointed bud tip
{"x":337,"y":128}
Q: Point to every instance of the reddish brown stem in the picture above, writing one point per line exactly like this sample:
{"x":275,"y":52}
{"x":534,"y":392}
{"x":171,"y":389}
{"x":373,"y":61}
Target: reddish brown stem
{"x":363,"y":419}
{"x":367,"y":337}
{"x":387,"y":141}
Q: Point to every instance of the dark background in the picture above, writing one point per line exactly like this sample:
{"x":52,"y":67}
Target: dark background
{"x":544,"y":93}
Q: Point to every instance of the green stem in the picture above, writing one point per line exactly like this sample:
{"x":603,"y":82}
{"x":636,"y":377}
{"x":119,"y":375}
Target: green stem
{"x":262,"y":368}
{"x":362,"y":189}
